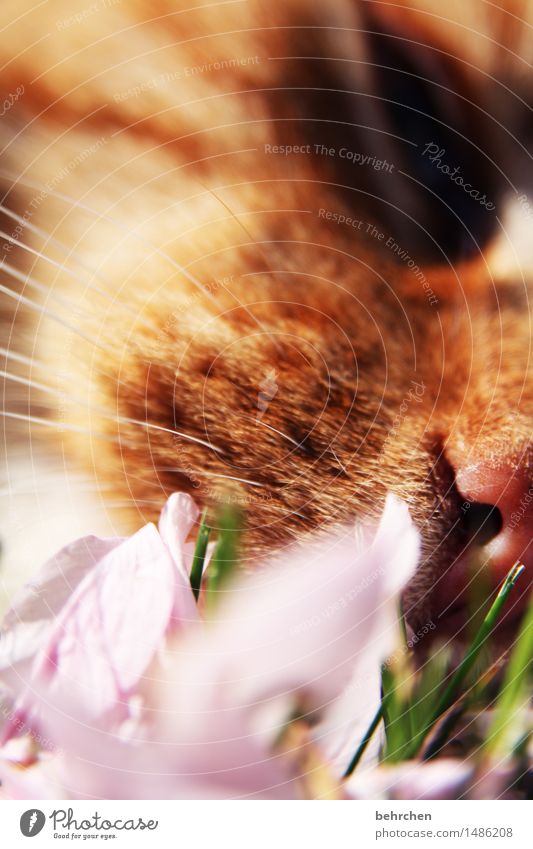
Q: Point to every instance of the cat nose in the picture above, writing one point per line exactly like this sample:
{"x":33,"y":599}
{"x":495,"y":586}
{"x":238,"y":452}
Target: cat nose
{"x":498,"y":511}
{"x":495,"y":525}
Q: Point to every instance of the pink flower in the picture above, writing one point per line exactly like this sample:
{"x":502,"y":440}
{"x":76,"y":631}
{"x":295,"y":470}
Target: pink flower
{"x":445,"y":778}
{"x":26,"y":773}
{"x":137,"y":698}
{"x":92,"y":621}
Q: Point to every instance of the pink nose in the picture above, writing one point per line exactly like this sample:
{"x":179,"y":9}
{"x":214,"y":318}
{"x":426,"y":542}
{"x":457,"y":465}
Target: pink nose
{"x":500,"y":501}
{"x":497,"y":512}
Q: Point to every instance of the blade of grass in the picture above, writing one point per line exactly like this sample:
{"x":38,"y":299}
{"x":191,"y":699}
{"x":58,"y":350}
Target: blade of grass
{"x":380,"y":713}
{"x":443,"y":728}
{"x":198,"y":560}
{"x":397,"y":678}
{"x":364,"y":742}
{"x":392,"y":716}
{"x":478,"y":593}
{"x":430,"y":679}
{"x":409,"y":675}
{"x":450,"y":693}
{"x":226,"y":554}
{"x":514,"y":693}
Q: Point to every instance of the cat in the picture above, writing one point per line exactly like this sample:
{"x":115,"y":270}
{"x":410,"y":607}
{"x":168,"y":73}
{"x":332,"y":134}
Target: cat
{"x":263,"y":253}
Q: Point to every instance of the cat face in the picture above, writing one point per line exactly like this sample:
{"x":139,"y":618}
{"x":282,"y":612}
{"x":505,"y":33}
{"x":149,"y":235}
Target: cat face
{"x":276,"y":237}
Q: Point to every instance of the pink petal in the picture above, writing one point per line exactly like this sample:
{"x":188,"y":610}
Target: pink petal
{"x":397,"y":544}
{"x":35,"y":782}
{"x":97,"y":764}
{"x":397,"y":539}
{"x":346,"y":720}
{"x":28,"y":622}
{"x":444,"y":778}
{"x":175,"y":524}
{"x":303,"y":623}
{"x":112,"y":625}
{"x":301,"y":630}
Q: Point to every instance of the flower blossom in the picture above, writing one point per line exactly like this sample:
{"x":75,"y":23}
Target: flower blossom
{"x":114,"y":685}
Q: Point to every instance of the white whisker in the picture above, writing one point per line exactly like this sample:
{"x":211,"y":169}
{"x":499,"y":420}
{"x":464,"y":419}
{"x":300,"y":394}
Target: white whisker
{"x":38,"y":486}
{"x":49,"y":314}
{"x":34,"y":384}
{"x":51,"y":261}
{"x":39,"y":287}
{"x":20,"y":358}
{"x":70,"y":273}
{"x":232,"y":478}
{"x":98,"y":410}
{"x":337,"y":459}
{"x":60,"y":426}
{"x":75,"y":203}
{"x":149,"y":425}
{"x":274,"y":429}
{"x":32,"y":364}
{"x":261,"y":251}
{"x":205,"y":473}
{"x":68,"y":251}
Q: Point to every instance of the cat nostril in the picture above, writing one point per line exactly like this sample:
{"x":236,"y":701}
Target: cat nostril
{"x":499,"y":511}
{"x":482,"y":522}
{"x":497,"y":530}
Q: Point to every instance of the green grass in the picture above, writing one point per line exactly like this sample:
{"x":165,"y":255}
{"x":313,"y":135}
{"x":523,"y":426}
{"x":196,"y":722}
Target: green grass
{"x":509,"y":724}
{"x":420,"y":709}
{"x":225,"y":557}
{"x":200,"y":551}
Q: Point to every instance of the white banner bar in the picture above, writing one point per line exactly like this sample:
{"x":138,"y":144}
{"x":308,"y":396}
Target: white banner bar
{"x":268,"y":825}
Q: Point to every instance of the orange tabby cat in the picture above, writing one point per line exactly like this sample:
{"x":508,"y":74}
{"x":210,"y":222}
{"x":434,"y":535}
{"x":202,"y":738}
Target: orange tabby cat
{"x":261,"y":253}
